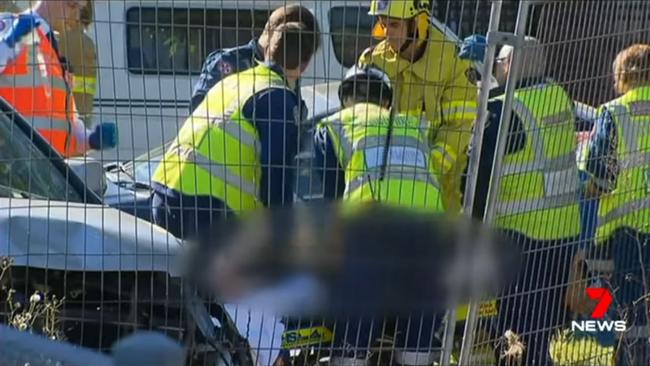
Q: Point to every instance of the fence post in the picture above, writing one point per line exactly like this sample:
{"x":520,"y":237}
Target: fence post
{"x":473,"y":165}
{"x":516,"y":41}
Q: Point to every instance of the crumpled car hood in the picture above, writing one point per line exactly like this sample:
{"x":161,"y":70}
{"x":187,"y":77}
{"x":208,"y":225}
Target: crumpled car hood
{"x":79,"y":237}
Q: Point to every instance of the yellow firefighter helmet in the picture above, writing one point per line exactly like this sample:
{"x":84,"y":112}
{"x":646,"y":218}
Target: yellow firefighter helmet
{"x":417,"y":10}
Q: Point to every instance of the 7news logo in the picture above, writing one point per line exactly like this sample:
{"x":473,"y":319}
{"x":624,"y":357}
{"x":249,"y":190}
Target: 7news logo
{"x":605,"y":299}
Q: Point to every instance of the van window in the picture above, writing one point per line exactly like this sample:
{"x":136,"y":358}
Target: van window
{"x":351,"y":28}
{"x":177,"y":40}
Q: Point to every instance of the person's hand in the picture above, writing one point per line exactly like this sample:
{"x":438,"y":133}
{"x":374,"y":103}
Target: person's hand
{"x":19,"y":27}
{"x":473,"y":48}
{"x":103,"y":137}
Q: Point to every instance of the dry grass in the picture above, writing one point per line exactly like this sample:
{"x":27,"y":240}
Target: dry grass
{"x":515,"y":348}
{"x":39,"y":313}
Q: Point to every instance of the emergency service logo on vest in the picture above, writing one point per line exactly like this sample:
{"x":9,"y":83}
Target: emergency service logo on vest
{"x":382,"y":4}
{"x":472,"y":75}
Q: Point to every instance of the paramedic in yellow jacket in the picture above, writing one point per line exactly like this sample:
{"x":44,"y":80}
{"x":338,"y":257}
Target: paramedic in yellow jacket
{"x":79,"y":50}
{"x":428,"y":77}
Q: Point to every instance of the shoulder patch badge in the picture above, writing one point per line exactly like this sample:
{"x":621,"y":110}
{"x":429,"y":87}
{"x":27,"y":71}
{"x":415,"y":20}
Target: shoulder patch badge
{"x":225,"y":68}
{"x":472,"y":75}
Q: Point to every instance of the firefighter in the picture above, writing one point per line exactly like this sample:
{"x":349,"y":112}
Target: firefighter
{"x":351,"y":157}
{"x":428,"y":77}
{"x":223,"y":62}
{"x":79,"y":50}
{"x":40,"y":90}
{"x":618,"y":164}
{"x":537,"y":200}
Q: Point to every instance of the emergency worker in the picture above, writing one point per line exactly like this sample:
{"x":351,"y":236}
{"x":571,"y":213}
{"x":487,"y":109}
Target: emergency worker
{"x":428,"y":77}
{"x":350,"y":148}
{"x":223,"y":62}
{"x":537,"y":200}
{"x":619,"y":167}
{"x":351,"y":157}
{"x":41,"y":90}
{"x":236,"y":152}
{"x":79,"y":50}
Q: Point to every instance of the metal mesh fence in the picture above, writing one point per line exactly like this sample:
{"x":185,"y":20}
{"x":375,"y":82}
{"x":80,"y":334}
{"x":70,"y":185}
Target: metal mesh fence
{"x":84,"y":229}
{"x":548,"y":314}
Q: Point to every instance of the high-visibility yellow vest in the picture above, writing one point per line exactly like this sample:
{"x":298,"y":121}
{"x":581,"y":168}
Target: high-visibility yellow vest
{"x":359,"y":136}
{"x":538,"y":194}
{"x":217,"y":151}
{"x":629,"y":204}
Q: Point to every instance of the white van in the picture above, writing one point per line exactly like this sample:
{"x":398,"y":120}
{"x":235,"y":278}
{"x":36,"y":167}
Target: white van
{"x":150,"y":53}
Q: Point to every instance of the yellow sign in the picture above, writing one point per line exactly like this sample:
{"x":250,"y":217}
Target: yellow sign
{"x":299,"y":338}
{"x":487,"y":309}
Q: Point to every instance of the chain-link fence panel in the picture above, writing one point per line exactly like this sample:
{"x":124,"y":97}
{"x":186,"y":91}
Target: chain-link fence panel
{"x":132,"y":128}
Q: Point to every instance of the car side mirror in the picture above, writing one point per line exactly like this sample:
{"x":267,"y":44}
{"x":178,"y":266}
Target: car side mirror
{"x":91,"y":172}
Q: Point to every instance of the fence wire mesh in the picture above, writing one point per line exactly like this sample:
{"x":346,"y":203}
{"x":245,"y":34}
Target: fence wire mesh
{"x":93,"y":245}
{"x":548,"y":314}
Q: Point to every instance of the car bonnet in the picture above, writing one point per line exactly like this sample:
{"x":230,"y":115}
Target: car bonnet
{"x":79,"y":237}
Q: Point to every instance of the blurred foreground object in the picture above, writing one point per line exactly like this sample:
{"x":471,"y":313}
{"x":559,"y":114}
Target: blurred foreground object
{"x":20,"y":348}
{"x":323,"y":258}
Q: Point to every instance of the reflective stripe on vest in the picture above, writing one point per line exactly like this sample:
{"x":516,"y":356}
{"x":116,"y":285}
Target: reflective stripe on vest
{"x":539,"y":189}
{"x":633,"y":158}
{"x":360,"y":143}
{"x":561,"y":181}
{"x":630,"y":196}
{"x":222,"y":144}
{"x":628,"y":208}
{"x":32,"y":81}
{"x":348,"y":146}
{"x":229,"y":127}
{"x":215,"y":169}
{"x":462,"y":109}
{"x":370,"y":177}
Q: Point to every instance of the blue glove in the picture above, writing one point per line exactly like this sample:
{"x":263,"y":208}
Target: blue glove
{"x":103,"y":137}
{"x":19,"y":27}
{"x":473,"y":48}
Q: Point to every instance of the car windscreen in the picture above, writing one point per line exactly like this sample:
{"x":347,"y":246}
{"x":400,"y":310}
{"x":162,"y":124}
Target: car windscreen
{"x":25,"y":171}
{"x":141,"y":169}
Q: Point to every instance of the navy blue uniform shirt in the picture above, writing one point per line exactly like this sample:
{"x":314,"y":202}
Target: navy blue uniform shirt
{"x":221,"y":63}
{"x":327,"y":167}
{"x":602,"y":160}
